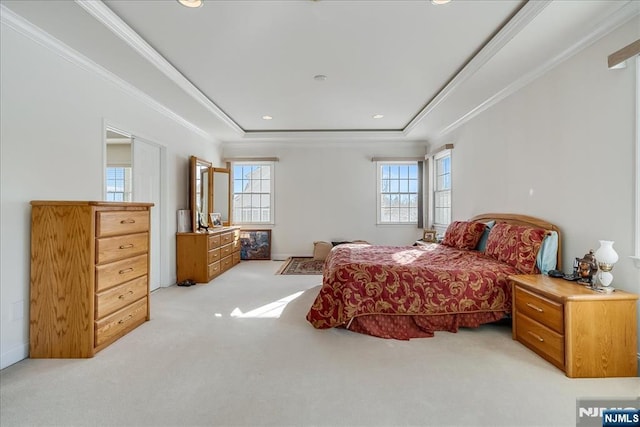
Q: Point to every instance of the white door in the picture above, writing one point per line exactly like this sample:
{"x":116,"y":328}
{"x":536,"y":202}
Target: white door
{"x":146,"y":187}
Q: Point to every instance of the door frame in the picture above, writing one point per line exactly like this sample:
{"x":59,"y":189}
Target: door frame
{"x":163,"y":279}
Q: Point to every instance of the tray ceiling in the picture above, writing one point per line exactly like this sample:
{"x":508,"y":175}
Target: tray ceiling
{"x":321,"y":68}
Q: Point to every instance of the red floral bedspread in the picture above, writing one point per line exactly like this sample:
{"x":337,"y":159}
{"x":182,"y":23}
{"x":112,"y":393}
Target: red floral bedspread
{"x":361,"y":281}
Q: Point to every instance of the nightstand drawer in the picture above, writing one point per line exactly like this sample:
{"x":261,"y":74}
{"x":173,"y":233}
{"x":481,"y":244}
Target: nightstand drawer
{"x":540,"y":339}
{"x":547,"y":312}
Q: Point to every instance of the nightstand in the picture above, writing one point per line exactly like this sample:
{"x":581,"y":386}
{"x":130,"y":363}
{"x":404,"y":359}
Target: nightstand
{"x":585,"y":333}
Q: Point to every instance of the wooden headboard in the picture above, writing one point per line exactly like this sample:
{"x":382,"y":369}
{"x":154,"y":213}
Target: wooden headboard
{"x":526,"y":220}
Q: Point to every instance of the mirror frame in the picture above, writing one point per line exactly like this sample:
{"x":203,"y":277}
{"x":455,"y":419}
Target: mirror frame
{"x":194,"y":164}
{"x":226,"y":170}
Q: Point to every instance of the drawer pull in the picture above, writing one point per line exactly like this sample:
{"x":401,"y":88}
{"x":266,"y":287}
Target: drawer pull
{"x":129,"y":246}
{"x":121,"y":321}
{"x":128,"y":221}
{"x":535,"y":307}
{"x":125,"y":271}
{"x":536,"y":336}
{"x":123,"y":295}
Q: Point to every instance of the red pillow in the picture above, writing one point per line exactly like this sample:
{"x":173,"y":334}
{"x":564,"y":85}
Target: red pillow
{"x":463,"y":234}
{"x":516,"y":245}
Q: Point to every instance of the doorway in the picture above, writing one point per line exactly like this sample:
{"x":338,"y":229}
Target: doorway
{"x":133,"y":173}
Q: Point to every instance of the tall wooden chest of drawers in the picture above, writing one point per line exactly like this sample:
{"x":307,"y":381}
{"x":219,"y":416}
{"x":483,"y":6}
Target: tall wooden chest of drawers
{"x":203,"y":256}
{"x":89,"y":275}
{"x":585,"y":333}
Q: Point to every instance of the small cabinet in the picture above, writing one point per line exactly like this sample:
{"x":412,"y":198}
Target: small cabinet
{"x":203,"y":256}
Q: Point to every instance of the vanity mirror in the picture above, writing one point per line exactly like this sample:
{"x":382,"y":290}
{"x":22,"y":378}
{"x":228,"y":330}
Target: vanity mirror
{"x":200,"y":192}
{"x":222,"y":193}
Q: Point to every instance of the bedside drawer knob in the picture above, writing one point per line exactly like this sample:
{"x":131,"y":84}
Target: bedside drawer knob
{"x":535,"y":307}
{"x":128,"y":221}
{"x":126,"y":270}
{"x":129,"y":246}
{"x":536,"y":336}
{"x":121,"y":321}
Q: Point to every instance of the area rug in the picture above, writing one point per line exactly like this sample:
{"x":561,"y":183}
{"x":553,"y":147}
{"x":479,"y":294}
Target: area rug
{"x":301,"y":265}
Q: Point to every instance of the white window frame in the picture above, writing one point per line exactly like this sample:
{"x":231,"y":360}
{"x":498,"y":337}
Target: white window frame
{"x":128,"y":181}
{"x":636,"y":256}
{"x":440,"y":227}
{"x":237,"y":219}
{"x":379,"y":194}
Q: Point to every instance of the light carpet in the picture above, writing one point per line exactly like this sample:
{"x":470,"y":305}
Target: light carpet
{"x":239,"y":352}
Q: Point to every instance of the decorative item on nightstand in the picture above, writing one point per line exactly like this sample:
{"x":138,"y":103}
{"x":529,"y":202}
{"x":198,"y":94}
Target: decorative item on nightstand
{"x":587,"y":268}
{"x":606,"y":257}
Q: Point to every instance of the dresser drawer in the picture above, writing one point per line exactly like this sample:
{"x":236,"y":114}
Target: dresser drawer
{"x":121,"y":322}
{"x":120,"y":296}
{"x":118,"y":247}
{"x":213,"y":255}
{"x":545,"y":311}
{"x":226,"y":250}
{"x":109,"y":275}
{"x":236,"y":245}
{"x":226,"y":263}
{"x":214,"y":269}
{"x":226,"y":238}
{"x":540,"y":339}
{"x":214,"y":241}
{"x":236,"y":258}
{"x":113,"y":223}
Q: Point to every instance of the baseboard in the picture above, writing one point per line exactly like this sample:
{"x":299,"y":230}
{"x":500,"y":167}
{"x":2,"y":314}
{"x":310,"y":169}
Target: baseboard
{"x":14,"y":355}
{"x":284,"y":257}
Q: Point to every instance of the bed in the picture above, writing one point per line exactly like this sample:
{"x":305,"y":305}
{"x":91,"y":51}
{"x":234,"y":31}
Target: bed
{"x":405,"y":292}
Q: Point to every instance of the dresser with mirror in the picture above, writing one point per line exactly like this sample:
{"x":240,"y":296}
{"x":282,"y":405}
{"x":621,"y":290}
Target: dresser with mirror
{"x":213,"y":244}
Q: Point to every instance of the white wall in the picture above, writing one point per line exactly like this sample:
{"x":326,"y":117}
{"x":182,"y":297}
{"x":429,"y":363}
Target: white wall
{"x":327,"y":191}
{"x":53,"y":114}
{"x":561,"y":149}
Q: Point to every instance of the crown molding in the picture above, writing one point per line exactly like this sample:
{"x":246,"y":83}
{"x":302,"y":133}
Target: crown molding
{"x":516,"y":24}
{"x":117,"y":26}
{"x":27,"y":29}
{"x":323,"y":135}
{"x":613,"y":21}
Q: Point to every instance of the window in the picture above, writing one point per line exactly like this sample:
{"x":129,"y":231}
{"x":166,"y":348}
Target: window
{"x":442,"y":189}
{"x":398,"y":192}
{"x":118,"y":184}
{"x":253,"y":193}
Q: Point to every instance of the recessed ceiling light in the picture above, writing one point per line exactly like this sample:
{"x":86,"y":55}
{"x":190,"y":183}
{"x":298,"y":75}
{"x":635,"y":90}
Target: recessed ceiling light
{"x":320,"y":77}
{"x":378,"y":116}
{"x":267,"y":118}
{"x":440,"y":1}
{"x":191,"y":3}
